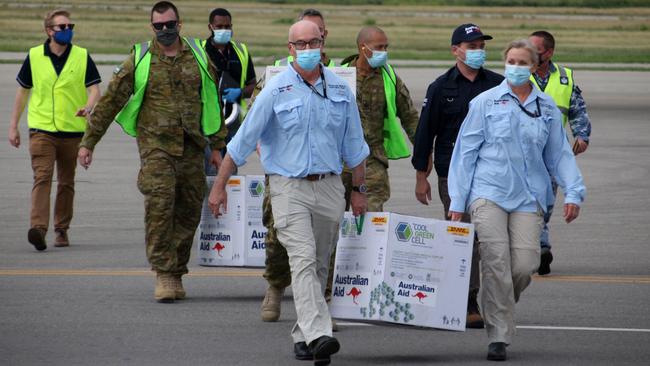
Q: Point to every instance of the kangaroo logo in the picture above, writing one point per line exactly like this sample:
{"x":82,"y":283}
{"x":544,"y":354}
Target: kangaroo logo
{"x":219,"y":247}
{"x":420,"y":296}
{"x":354,"y":292}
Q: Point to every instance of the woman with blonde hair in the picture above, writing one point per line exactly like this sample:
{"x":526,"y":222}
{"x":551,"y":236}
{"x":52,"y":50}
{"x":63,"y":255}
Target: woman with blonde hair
{"x":510,"y":145}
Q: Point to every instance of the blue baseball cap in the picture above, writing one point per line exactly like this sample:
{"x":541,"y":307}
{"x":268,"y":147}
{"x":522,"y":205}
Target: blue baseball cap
{"x":467,"y":33}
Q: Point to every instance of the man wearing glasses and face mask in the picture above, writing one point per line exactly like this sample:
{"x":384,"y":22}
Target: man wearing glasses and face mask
{"x":64,"y":85}
{"x":165,"y":95}
{"x":317,"y":18}
{"x":276,"y":271}
{"x":445,"y":106}
{"x":307,"y":123}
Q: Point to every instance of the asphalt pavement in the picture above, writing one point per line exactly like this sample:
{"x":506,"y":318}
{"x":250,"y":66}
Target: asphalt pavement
{"x":92,"y":303}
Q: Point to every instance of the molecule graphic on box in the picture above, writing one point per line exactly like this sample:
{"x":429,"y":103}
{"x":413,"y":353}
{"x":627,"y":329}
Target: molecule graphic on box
{"x":382,"y":300}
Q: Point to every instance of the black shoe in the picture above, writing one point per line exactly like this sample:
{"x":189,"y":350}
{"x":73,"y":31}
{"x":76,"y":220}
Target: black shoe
{"x":545,"y":263}
{"x":302,"y":351}
{"x":496,"y":351}
{"x":322,"y":348}
{"x":36,"y":237}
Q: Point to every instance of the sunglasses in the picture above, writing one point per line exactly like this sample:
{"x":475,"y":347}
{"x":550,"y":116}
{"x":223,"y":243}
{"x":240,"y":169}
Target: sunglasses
{"x":63,"y":26}
{"x":169,"y":25}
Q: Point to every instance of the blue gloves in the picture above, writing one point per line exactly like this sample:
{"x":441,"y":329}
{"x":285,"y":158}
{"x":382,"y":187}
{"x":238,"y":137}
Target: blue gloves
{"x":231,"y":95}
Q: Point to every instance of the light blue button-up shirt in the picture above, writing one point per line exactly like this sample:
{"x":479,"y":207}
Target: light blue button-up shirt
{"x":505,"y":156}
{"x":300,"y":132}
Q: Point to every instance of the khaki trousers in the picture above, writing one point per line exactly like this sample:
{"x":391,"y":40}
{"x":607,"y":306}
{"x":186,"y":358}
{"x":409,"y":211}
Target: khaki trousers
{"x":46,"y":151}
{"x":307,"y":215}
{"x":509,"y":257}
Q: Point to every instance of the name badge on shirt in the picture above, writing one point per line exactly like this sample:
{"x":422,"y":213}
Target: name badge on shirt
{"x":497,"y":102}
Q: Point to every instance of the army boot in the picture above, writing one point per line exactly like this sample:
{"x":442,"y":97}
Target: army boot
{"x":179,"y":291}
{"x":474,"y":319}
{"x":271,"y":304}
{"x":164,"y":288}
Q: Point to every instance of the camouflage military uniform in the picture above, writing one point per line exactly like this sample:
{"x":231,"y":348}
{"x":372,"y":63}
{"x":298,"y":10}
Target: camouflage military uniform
{"x":277,"y":272}
{"x":171,"y":144}
{"x":371,"y":100}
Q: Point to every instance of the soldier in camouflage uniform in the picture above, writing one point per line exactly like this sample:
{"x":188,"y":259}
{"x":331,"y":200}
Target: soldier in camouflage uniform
{"x":373,"y":109}
{"x":171,"y":142}
{"x":576,"y":114}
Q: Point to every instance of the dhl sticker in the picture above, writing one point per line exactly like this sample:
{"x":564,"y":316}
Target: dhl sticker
{"x":234,"y":182}
{"x":379,"y":220}
{"x":455,"y":230}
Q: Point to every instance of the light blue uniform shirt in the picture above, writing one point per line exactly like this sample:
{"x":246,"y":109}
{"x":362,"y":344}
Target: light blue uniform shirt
{"x":505,"y":156}
{"x":300,"y":132}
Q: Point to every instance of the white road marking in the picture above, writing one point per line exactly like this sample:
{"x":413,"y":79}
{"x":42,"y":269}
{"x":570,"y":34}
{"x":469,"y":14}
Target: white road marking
{"x":533,"y":327}
{"x":595,"y":329}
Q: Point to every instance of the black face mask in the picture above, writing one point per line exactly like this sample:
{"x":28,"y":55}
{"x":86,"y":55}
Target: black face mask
{"x":167,"y":37}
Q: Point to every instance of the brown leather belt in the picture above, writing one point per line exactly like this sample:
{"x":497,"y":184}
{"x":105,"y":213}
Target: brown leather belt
{"x":315,"y":177}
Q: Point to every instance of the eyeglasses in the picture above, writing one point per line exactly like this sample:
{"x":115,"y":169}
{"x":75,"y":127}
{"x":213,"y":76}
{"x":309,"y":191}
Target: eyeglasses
{"x":301,"y":45}
{"x":63,"y":26}
{"x":169,"y":25}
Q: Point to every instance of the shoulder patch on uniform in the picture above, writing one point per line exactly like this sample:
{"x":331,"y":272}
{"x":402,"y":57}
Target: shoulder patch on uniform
{"x":564,"y":80}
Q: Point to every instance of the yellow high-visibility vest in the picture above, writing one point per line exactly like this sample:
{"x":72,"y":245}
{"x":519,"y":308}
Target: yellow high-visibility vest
{"x":395,"y":146}
{"x":241,"y":50}
{"x":559,"y":87}
{"x":56,"y":98}
{"x":211,"y":110}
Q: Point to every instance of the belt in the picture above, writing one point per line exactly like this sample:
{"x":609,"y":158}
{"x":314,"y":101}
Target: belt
{"x":315,"y":177}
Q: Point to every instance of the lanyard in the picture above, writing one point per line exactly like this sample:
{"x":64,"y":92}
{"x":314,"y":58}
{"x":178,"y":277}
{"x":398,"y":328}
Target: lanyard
{"x":537,"y":113}
{"x":313,"y":88}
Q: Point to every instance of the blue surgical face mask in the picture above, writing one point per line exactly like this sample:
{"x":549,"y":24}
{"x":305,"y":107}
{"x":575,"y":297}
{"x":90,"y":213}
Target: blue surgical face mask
{"x":517,"y":75}
{"x":377,"y":59}
{"x":221,"y":36}
{"x":474,"y":58}
{"x":63,"y":37}
{"x":308,"y":59}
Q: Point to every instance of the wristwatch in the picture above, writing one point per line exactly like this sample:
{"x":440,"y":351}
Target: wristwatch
{"x":362,"y":188}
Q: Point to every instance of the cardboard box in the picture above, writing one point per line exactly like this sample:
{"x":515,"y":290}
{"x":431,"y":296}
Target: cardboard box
{"x":236,"y":238}
{"x":403,"y":270}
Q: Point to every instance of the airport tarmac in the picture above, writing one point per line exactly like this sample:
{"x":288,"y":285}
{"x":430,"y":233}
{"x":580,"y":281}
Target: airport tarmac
{"x":92,"y":303}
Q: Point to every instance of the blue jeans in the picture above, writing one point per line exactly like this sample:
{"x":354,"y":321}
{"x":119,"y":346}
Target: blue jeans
{"x":545,"y":239}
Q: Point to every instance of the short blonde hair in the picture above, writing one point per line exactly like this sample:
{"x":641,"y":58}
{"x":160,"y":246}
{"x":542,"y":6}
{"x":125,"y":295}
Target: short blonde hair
{"x":525,"y":44}
{"x":49,"y":17}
